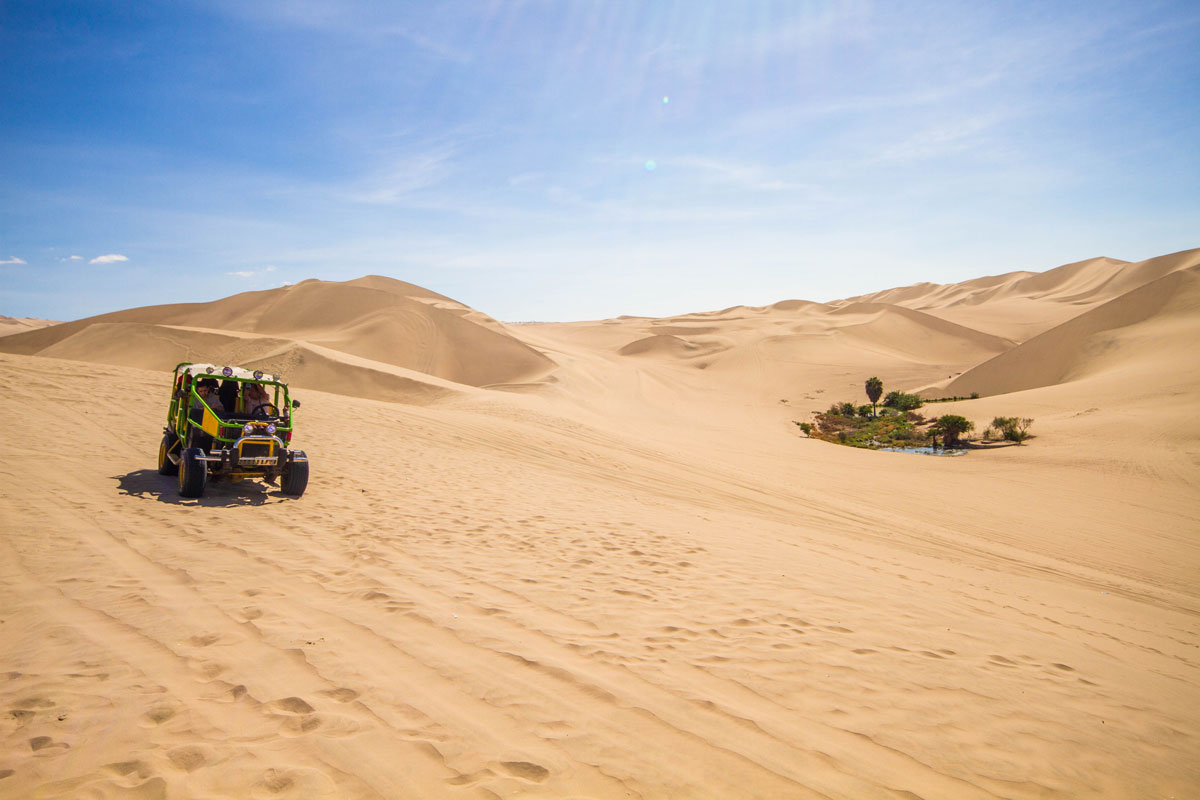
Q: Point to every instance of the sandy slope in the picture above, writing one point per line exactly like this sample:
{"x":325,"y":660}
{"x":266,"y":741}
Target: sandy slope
{"x":1140,"y":330}
{"x":623,"y":575}
{"x":1023,"y":304}
{"x":9,"y":325}
{"x":374,"y":318}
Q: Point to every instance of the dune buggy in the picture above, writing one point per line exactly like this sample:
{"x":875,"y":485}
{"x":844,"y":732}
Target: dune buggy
{"x":229,"y":423}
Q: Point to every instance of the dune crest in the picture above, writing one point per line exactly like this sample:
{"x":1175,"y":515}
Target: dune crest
{"x":1020,"y":305}
{"x":380,"y":324}
{"x":11,"y":325}
{"x":1103,"y":338}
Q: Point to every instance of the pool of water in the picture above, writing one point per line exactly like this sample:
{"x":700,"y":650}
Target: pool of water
{"x":927,"y":451}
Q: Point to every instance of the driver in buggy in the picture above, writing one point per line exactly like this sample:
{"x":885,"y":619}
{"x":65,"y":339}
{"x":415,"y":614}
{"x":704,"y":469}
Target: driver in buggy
{"x":256,"y":401}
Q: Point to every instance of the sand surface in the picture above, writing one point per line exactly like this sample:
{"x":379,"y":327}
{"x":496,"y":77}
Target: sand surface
{"x":598,"y":559}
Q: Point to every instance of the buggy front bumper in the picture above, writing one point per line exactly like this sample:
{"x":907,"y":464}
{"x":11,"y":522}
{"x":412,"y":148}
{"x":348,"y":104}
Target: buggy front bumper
{"x":247,"y":453}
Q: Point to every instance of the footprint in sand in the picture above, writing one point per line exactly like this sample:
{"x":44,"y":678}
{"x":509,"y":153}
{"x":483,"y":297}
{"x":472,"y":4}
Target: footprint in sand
{"x":203,"y":640}
{"x":526,"y":771}
{"x":470,"y":779}
{"x":136,"y":771}
{"x":157,"y":716}
{"x":341,"y":694}
{"x":45,"y":743}
{"x":188,"y":759}
{"x":292,"y":705}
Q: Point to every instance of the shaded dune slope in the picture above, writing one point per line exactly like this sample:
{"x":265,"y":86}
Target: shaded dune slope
{"x":1098,"y":339}
{"x":790,"y":329}
{"x":1024,"y":304}
{"x":376,"y":319}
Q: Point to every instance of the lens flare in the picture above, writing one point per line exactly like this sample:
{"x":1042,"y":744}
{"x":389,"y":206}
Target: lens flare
{"x":651,"y":165}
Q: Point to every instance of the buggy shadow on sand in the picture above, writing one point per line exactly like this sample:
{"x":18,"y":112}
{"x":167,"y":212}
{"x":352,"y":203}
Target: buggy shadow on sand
{"x":248,"y":438}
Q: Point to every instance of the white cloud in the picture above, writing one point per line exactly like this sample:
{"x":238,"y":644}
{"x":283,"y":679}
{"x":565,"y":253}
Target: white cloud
{"x":253,"y":273}
{"x":72,"y":258}
{"x":111,"y":258}
{"x":13,"y":260}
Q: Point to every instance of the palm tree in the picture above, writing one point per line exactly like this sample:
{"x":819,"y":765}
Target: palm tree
{"x":874,"y":390}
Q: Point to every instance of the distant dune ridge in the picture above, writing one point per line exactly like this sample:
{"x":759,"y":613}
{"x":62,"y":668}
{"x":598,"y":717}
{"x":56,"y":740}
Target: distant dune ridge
{"x":384,"y":338}
{"x":11,"y":325}
{"x":1168,"y":306}
{"x":599,"y":559}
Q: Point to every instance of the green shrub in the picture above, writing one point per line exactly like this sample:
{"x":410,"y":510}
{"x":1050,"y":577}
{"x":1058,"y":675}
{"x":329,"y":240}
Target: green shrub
{"x":806,"y":427}
{"x":1012,"y":429}
{"x":846,"y":409}
{"x":902,"y":402}
{"x":952,"y":426}
{"x":865,"y":411}
{"x":1019,"y":431}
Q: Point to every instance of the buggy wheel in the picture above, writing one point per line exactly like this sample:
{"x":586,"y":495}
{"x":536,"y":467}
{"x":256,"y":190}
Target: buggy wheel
{"x":169,"y":444}
{"x":295,"y":477}
{"x":193,"y":473}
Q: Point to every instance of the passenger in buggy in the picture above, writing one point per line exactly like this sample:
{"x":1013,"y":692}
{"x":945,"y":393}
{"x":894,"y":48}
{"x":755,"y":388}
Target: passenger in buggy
{"x":207,"y":389}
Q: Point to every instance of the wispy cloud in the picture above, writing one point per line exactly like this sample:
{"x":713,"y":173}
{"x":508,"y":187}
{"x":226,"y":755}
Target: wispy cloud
{"x":250,"y":273}
{"x":72,"y":258}
{"x":406,"y":174}
{"x":13,"y":260}
{"x":943,"y":139}
{"x":111,"y":258}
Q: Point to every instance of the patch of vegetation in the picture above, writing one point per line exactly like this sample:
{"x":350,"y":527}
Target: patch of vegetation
{"x":890,"y":428}
{"x":902,"y":402}
{"x":1011,"y":429}
{"x":952,"y":427}
{"x":896,"y":423}
{"x":955,"y":399}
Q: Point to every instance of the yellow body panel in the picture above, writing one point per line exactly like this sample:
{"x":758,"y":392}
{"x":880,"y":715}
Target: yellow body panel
{"x":210,"y":424}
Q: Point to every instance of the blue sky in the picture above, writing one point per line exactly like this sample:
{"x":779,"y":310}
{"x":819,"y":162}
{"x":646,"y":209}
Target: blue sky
{"x":578,"y":159}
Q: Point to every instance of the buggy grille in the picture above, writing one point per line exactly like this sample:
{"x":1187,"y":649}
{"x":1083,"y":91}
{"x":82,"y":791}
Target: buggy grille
{"x":254,"y":450}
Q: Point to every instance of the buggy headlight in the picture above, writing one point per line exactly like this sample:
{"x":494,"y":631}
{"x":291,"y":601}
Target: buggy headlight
{"x":258,"y":374}
{"x":271,"y":429}
{"x":249,"y":429}
{"x":227,"y":372}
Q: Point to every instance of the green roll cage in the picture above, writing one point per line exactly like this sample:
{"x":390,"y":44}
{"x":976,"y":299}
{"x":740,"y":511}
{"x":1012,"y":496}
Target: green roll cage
{"x":184,"y":396}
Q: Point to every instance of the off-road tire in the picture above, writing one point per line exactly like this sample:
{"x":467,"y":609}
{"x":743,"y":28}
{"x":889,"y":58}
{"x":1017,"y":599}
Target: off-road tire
{"x":193,"y":473}
{"x":295,"y":477}
{"x":165,"y":466}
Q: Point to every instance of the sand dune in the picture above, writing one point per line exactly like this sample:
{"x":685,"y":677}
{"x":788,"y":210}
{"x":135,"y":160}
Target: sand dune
{"x":10,"y":325}
{"x":374,"y":318}
{"x":620,"y":571}
{"x":1020,"y":305}
{"x":1151,"y":322}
